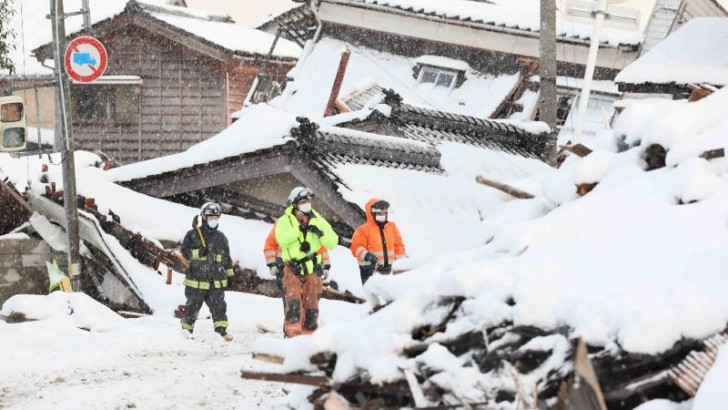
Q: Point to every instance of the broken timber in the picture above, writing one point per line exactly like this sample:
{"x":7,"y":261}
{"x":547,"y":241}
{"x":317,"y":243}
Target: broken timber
{"x":578,"y":149}
{"x":504,"y":188}
{"x":296,"y":378}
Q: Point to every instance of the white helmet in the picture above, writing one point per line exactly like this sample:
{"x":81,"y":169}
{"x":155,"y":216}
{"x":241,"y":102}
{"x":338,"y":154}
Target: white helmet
{"x":298,"y":194}
{"x":211,"y":209}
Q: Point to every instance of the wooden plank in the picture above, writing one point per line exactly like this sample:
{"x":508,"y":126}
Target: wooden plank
{"x":270,"y":358}
{"x":713,"y":153}
{"x":415,"y":388}
{"x":578,"y":149}
{"x":504,"y":188}
{"x":317,"y":381}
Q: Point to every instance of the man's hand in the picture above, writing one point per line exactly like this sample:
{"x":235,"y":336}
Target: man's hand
{"x":371,"y":258}
{"x":313,"y":229}
{"x":203,"y":252}
{"x":305,"y":247}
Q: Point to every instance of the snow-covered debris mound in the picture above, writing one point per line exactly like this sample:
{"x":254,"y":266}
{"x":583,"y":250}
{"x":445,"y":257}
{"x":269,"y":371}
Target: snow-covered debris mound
{"x":635,"y":268}
{"x":81,"y":309}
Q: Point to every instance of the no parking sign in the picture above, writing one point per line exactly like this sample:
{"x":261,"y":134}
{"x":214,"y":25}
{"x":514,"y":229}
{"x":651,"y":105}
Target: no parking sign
{"x":85,"y":59}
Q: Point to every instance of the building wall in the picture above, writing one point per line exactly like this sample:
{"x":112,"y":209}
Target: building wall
{"x":464,"y":35}
{"x":22,"y":266}
{"x":481,"y":59}
{"x":181,"y":100}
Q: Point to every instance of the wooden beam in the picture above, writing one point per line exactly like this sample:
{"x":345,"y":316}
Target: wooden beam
{"x":504,"y":188}
{"x":317,"y":381}
{"x":713,"y":153}
{"x":578,"y":149}
{"x":270,"y":358}
{"x":14,"y":194}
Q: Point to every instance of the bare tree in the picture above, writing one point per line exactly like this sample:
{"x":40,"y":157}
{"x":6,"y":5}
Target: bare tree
{"x":7,"y":35}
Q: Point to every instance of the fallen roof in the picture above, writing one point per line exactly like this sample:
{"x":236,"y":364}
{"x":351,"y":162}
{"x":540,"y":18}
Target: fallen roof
{"x":479,"y":95}
{"x":525,"y":139}
{"x":696,"y":53}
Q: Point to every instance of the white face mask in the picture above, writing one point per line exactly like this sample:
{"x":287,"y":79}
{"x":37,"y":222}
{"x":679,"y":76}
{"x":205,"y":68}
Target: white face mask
{"x":305,"y":208}
{"x":380,"y":217}
{"x":212,"y":223}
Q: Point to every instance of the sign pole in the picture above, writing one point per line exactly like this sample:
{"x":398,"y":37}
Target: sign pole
{"x":63,"y":95}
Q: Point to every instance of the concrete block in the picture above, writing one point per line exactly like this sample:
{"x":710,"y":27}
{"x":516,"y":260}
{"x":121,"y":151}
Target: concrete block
{"x":34,"y":260}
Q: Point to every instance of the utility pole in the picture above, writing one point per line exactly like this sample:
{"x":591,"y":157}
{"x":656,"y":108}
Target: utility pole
{"x":86,"y":12}
{"x":547,"y":72}
{"x":63,"y":94}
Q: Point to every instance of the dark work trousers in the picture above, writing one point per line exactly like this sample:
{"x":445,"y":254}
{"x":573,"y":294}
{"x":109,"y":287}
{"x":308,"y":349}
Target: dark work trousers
{"x":215,"y":300}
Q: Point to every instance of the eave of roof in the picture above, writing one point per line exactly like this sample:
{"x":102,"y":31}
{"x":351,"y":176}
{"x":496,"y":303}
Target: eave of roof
{"x":478,"y":24}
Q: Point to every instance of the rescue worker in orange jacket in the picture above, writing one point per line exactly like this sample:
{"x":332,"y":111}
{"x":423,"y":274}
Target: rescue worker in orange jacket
{"x":377,"y":243}
{"x":300,"y":232}
{"x":274,"y":259}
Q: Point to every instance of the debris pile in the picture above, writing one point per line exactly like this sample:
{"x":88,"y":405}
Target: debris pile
{"x":451,"y":363}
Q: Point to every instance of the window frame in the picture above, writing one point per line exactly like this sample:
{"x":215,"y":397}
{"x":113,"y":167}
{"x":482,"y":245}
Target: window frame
{"x":110,"y":89}
{"x":439,"y":72}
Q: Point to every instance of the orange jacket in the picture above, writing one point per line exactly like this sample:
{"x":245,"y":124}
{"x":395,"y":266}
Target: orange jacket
{"x":368,"y":238}
{"x":272,"y":251}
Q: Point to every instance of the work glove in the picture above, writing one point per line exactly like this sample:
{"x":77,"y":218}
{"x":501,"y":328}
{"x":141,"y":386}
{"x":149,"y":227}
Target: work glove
{"x":371,"y":258}
{"x":276,"y":271}
{"x":315,"y":230}
{"x":203,"y":252}
{"x":305,"y":247}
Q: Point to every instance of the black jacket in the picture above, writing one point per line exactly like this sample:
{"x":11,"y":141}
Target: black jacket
{"x":217,"y":264}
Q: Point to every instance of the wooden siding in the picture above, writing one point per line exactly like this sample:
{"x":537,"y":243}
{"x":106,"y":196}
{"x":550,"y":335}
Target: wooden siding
{"x":181,"y":99}
{"x":699,"y":8}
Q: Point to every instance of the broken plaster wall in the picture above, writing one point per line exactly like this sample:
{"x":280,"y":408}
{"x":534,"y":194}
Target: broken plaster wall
{"x":22,"y":265}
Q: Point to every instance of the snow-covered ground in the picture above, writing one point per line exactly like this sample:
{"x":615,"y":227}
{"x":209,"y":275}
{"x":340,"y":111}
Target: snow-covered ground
{"x":77,"y":354}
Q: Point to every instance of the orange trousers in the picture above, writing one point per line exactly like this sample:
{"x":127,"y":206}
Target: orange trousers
{"x":301,"y":297}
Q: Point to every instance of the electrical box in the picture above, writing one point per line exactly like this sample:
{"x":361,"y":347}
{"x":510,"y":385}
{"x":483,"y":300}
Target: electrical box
{"x":13,"y":132}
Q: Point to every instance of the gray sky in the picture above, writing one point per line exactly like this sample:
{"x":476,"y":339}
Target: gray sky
{"x":243,"y":11}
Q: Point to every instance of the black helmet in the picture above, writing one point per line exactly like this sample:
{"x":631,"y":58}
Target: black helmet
{"x":211,"y":209}
{"x":299,"y":194}
{"x":380,"y":206}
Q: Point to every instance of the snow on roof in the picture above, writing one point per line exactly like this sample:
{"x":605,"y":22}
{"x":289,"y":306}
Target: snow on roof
{"x":276,"y":13}
{"x":34,"y":30}
{"x":696,"y":53}
{"x":478,"y":96}
{"x":258,"y":127}
{"x":517,"y":14}
{"x":233,"y":36}
{"x":443,"y":62}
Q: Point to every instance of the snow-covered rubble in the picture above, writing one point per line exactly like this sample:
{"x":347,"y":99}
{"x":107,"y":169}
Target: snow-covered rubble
{"x":626,"y":267}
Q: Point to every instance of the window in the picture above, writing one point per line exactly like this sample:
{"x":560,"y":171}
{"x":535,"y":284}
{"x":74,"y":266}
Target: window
{"x":437,"y":77}
{"x":563,"y":108}
{"x":266,"y":88}
{"x":105,"y":103}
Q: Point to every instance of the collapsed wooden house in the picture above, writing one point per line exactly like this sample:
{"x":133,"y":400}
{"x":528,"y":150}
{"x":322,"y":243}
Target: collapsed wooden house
{"x":509,"y":365}
{"x":255,"y":183}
